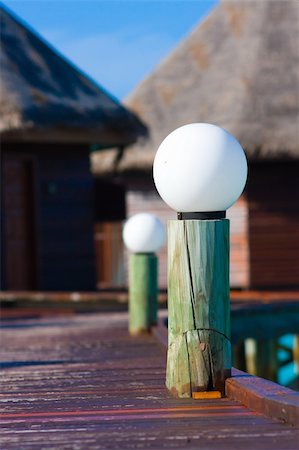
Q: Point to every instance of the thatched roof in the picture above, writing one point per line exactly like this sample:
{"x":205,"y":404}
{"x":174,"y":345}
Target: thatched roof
{"x":239,"y":69}
{"x":44,"y":97}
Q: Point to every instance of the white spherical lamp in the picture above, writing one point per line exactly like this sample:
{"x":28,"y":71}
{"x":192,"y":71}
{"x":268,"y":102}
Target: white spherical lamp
{"x":200,"y":167}
{"x":143,"y":233}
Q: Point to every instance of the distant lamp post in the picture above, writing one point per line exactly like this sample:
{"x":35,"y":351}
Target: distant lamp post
{"x":200,"y":170}
{"x":143,"y":235}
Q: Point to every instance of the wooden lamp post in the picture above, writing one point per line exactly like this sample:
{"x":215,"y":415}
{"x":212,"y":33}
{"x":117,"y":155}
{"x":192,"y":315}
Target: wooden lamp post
{"x":199,"y":170}
{"x":143,"y":235}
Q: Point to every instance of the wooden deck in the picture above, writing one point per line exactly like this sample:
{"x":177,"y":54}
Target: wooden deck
{"x":80,"y":382}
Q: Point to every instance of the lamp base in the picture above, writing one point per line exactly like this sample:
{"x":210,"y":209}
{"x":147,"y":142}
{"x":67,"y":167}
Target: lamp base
{"x":205,"y":215}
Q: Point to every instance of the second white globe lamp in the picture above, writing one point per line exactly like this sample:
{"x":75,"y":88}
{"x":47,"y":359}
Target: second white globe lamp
{"x":143,"y":233}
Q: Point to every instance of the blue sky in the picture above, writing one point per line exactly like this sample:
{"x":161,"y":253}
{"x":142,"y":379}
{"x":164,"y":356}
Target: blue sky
{"x":116,"y":42}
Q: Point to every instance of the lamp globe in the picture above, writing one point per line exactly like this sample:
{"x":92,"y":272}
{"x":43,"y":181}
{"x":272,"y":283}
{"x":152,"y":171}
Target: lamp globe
{"x":200,"y":167}
{"x":143,"y":233}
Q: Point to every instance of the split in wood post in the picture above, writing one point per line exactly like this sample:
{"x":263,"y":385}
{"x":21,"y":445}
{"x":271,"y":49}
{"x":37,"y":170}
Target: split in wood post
{"x":143,"y":292}
{"x":199,"y":348}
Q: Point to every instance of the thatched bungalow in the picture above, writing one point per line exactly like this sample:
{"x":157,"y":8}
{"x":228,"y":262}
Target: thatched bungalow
{"x":238,"y":69}
{"x":51,"y":116}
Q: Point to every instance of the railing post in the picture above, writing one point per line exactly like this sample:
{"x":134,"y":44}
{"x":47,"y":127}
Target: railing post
{"x":199,"y":349}
{"x":143,"y":292}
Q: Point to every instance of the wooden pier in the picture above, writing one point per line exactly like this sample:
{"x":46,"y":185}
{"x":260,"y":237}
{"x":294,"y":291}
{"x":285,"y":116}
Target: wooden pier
{"x":79,"y":381}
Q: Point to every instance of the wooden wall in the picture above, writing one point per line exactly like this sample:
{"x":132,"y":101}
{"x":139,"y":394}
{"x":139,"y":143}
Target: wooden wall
{"x":264,"y":222}
{"x":109,"y":249}
{"x":110,"y":213}
{"x":273,"y":196}
{"x":63,"y":223}
{"x":142,"y":197}
{"x":239,"y":246}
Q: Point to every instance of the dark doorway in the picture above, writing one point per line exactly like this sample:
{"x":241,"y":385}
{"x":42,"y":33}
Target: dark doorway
{"x":18,"y":232}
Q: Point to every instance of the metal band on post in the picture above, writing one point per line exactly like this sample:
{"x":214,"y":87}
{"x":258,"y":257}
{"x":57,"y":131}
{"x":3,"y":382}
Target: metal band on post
{"x":206,"y":215}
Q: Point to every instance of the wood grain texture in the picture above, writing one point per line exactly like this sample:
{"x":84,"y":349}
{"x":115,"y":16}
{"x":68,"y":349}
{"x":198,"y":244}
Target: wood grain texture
{"x":263,"y":396}
{"x":58,"y":230}
{"x":141,"y":196}
{"x":81,"y":382}
{"x":199,"y":350}
{"x":143,"y":292}
{"x":109,"y":249}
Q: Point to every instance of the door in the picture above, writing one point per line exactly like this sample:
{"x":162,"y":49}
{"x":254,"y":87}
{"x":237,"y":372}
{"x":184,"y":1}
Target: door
{"x":18,"y":234}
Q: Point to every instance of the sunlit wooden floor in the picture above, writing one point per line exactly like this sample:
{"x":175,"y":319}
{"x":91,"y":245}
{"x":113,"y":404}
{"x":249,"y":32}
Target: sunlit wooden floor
{"x":81,"y":382}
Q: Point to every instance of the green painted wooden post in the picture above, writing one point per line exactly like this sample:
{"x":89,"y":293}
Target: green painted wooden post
{"x":143,"y":292}
{"x":199,"y":348}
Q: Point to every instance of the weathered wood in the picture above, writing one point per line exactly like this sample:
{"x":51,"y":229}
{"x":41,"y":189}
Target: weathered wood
{"x":143,"y":292}
{"x":74,"y":382}
{"x":265,"y":397}
{"x":262,"y":396}
{"x":199,"y":350}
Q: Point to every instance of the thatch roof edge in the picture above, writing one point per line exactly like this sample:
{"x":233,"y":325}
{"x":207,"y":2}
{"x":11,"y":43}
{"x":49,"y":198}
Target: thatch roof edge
{"x":39,"y":104}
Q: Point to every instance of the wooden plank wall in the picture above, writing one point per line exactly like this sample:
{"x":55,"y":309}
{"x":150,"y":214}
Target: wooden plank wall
{"x":65,"y":206}
{"x":110,"y":212}
{"x":239,"y":250}
{"x":66,"y":220}
{"x":148,"y":200}
{"x":273,"y":195}
{"x":109,"y":255}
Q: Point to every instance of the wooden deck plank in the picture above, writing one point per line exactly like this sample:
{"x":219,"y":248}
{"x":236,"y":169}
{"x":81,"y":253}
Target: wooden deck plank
{"x":82,"y":382}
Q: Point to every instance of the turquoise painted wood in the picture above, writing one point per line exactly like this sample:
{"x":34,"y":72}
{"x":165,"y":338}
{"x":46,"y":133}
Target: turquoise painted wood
{"x":199,"y":348}
{"x":143,"y":292}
